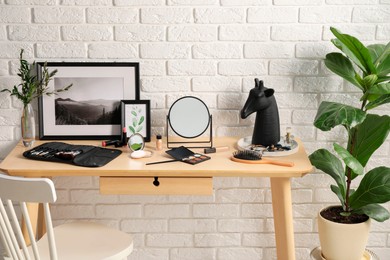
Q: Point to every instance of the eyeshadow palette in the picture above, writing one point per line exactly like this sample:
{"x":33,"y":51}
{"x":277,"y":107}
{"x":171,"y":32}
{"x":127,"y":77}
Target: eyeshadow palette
{"x":195,"y":158}
{"x":186,"y":155}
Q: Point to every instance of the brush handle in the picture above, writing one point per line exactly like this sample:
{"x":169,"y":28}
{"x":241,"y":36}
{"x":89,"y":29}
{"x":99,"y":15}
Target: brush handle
{"x":262,"y":161}
{"x":167,"y":161}
{"x":280,"y":163}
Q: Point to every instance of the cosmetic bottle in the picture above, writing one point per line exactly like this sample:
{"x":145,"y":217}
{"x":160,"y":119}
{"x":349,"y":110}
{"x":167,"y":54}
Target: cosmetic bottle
{"x":288,"y":135}
{"x":158,"y":143}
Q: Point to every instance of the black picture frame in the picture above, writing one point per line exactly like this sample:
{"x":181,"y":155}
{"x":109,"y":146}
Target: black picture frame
{"x":98,"y":88}
{"x":136,"y":117}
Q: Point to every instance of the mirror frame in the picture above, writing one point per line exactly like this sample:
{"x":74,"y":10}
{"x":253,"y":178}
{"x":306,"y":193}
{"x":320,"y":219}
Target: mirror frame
{"x":209,"y":142}
{"x":175,"y":103}
{"x":134,"y":136}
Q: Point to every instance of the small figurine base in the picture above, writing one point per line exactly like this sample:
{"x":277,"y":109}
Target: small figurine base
{"x":281,"y":149}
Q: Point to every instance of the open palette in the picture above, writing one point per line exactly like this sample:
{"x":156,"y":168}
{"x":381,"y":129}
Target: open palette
{"x":186,"y":155}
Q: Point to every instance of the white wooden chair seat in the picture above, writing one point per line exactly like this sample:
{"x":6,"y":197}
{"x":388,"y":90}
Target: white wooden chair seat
{"x":86,"y":241}
{"x":70,"y":241}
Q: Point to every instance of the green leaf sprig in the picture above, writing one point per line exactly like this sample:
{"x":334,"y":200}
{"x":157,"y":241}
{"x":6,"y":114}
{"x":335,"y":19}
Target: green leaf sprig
{"x":31,"y":86}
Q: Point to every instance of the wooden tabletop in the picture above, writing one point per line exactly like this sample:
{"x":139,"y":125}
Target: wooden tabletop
{"x":219,"y":165}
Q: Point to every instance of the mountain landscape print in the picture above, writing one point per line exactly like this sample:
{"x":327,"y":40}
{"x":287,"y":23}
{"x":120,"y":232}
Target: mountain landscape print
{"x":89,"y":112}
{"x":88,"y":102}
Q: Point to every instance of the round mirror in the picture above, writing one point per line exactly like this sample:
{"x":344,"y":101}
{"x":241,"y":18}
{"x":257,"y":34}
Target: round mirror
{"x":136,"y":142}
{"x":189,"y":117}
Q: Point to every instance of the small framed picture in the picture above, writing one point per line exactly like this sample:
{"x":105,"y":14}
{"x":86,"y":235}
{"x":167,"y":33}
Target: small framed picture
{"x":136,"y":117}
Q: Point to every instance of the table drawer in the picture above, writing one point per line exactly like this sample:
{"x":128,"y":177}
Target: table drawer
{"x":156,"y":185}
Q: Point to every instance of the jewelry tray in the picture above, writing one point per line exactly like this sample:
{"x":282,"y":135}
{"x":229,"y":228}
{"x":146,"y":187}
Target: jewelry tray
{"x":245,"y":143}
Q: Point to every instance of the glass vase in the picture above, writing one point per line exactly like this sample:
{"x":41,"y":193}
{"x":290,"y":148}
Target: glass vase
{"x":28,"y":125}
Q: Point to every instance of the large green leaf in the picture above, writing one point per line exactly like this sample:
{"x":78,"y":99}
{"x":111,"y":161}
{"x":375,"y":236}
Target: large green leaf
{"x":382,"y":61}
{"x":384,"y":99}
{"x":381,"y":89}
{"x":376,"y":51}
{"x":355,"y":50}
{"x":375,"y":95}
{"x":348,"y":159}
{"x":325,"y":161}
{"x":340,"y":65}
{"x":374,"y":188}
{"x":383,"y":79}
{"x":375,"y":211}
{"x":369,"y":136}
{"x":331,"y":114}
{"x":336,"y":190}
{"x":384,"y":67}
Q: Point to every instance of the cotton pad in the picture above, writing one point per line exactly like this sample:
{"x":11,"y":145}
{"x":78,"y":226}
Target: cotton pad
{"x":140,"y":154}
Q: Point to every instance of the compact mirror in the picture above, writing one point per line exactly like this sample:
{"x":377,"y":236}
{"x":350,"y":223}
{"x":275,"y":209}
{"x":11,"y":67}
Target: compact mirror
{"x":136,"y":142}
{"x":189,"y":117}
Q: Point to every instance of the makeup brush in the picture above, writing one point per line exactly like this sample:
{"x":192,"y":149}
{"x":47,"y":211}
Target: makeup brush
{"x":167,"y":161}
{"x":253,"y":157}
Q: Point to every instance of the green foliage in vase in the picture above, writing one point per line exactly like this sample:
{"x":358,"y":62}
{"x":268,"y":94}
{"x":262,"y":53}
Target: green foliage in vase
{"x":31,"y":86}
{"x":367,"y":68}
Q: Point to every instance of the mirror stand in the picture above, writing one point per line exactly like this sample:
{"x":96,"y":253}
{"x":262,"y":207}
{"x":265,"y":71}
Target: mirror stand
{"x":194,"y":144}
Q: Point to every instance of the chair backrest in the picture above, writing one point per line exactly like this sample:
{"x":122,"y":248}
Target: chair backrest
{"x":19,"y":190}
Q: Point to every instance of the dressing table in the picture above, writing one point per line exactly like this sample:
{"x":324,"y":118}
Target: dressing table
{"x":131,"y":176}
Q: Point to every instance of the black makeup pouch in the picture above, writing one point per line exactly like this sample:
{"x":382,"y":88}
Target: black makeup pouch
{"x":81,"y":155}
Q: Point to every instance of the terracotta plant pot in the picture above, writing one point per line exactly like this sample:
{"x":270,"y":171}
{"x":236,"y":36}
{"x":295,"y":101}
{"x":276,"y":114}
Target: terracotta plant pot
{"x":342,"y":241}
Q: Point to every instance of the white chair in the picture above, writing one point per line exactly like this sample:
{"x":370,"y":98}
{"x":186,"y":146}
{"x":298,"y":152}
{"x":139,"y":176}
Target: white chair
{"x":72,"y":241}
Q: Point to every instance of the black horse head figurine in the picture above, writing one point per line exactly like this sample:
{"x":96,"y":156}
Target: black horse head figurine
{"x":267,"y":127}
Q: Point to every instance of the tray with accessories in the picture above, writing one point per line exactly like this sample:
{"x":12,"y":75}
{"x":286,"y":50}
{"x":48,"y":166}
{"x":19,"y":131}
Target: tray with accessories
{"x":80,"y":155}
{"x":281,"y":149}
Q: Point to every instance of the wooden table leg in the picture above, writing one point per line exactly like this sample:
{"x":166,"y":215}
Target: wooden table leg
{"x":283,"y":218}
{"x":35,"y":211}
{"x":41,"y":225}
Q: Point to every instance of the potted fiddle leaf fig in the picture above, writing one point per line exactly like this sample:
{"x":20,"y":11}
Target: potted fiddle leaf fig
{"x":360,"y":192}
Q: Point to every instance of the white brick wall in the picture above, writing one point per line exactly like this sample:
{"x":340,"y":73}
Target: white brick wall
{"x":212,"y":49}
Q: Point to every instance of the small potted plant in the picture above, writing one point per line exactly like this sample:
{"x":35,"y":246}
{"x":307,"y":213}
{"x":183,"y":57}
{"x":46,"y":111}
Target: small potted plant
{"x":360,"y":193}
{"x":30,"y":88}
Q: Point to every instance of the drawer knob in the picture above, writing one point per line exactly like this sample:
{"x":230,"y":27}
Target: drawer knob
{"x":156,"y":182}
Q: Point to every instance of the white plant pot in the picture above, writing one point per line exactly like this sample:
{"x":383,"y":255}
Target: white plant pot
{"x":342,"y":241}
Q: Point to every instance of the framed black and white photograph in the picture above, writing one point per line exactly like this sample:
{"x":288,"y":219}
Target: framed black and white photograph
{"x":91,"y":108}
{"x":136,"y":117}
